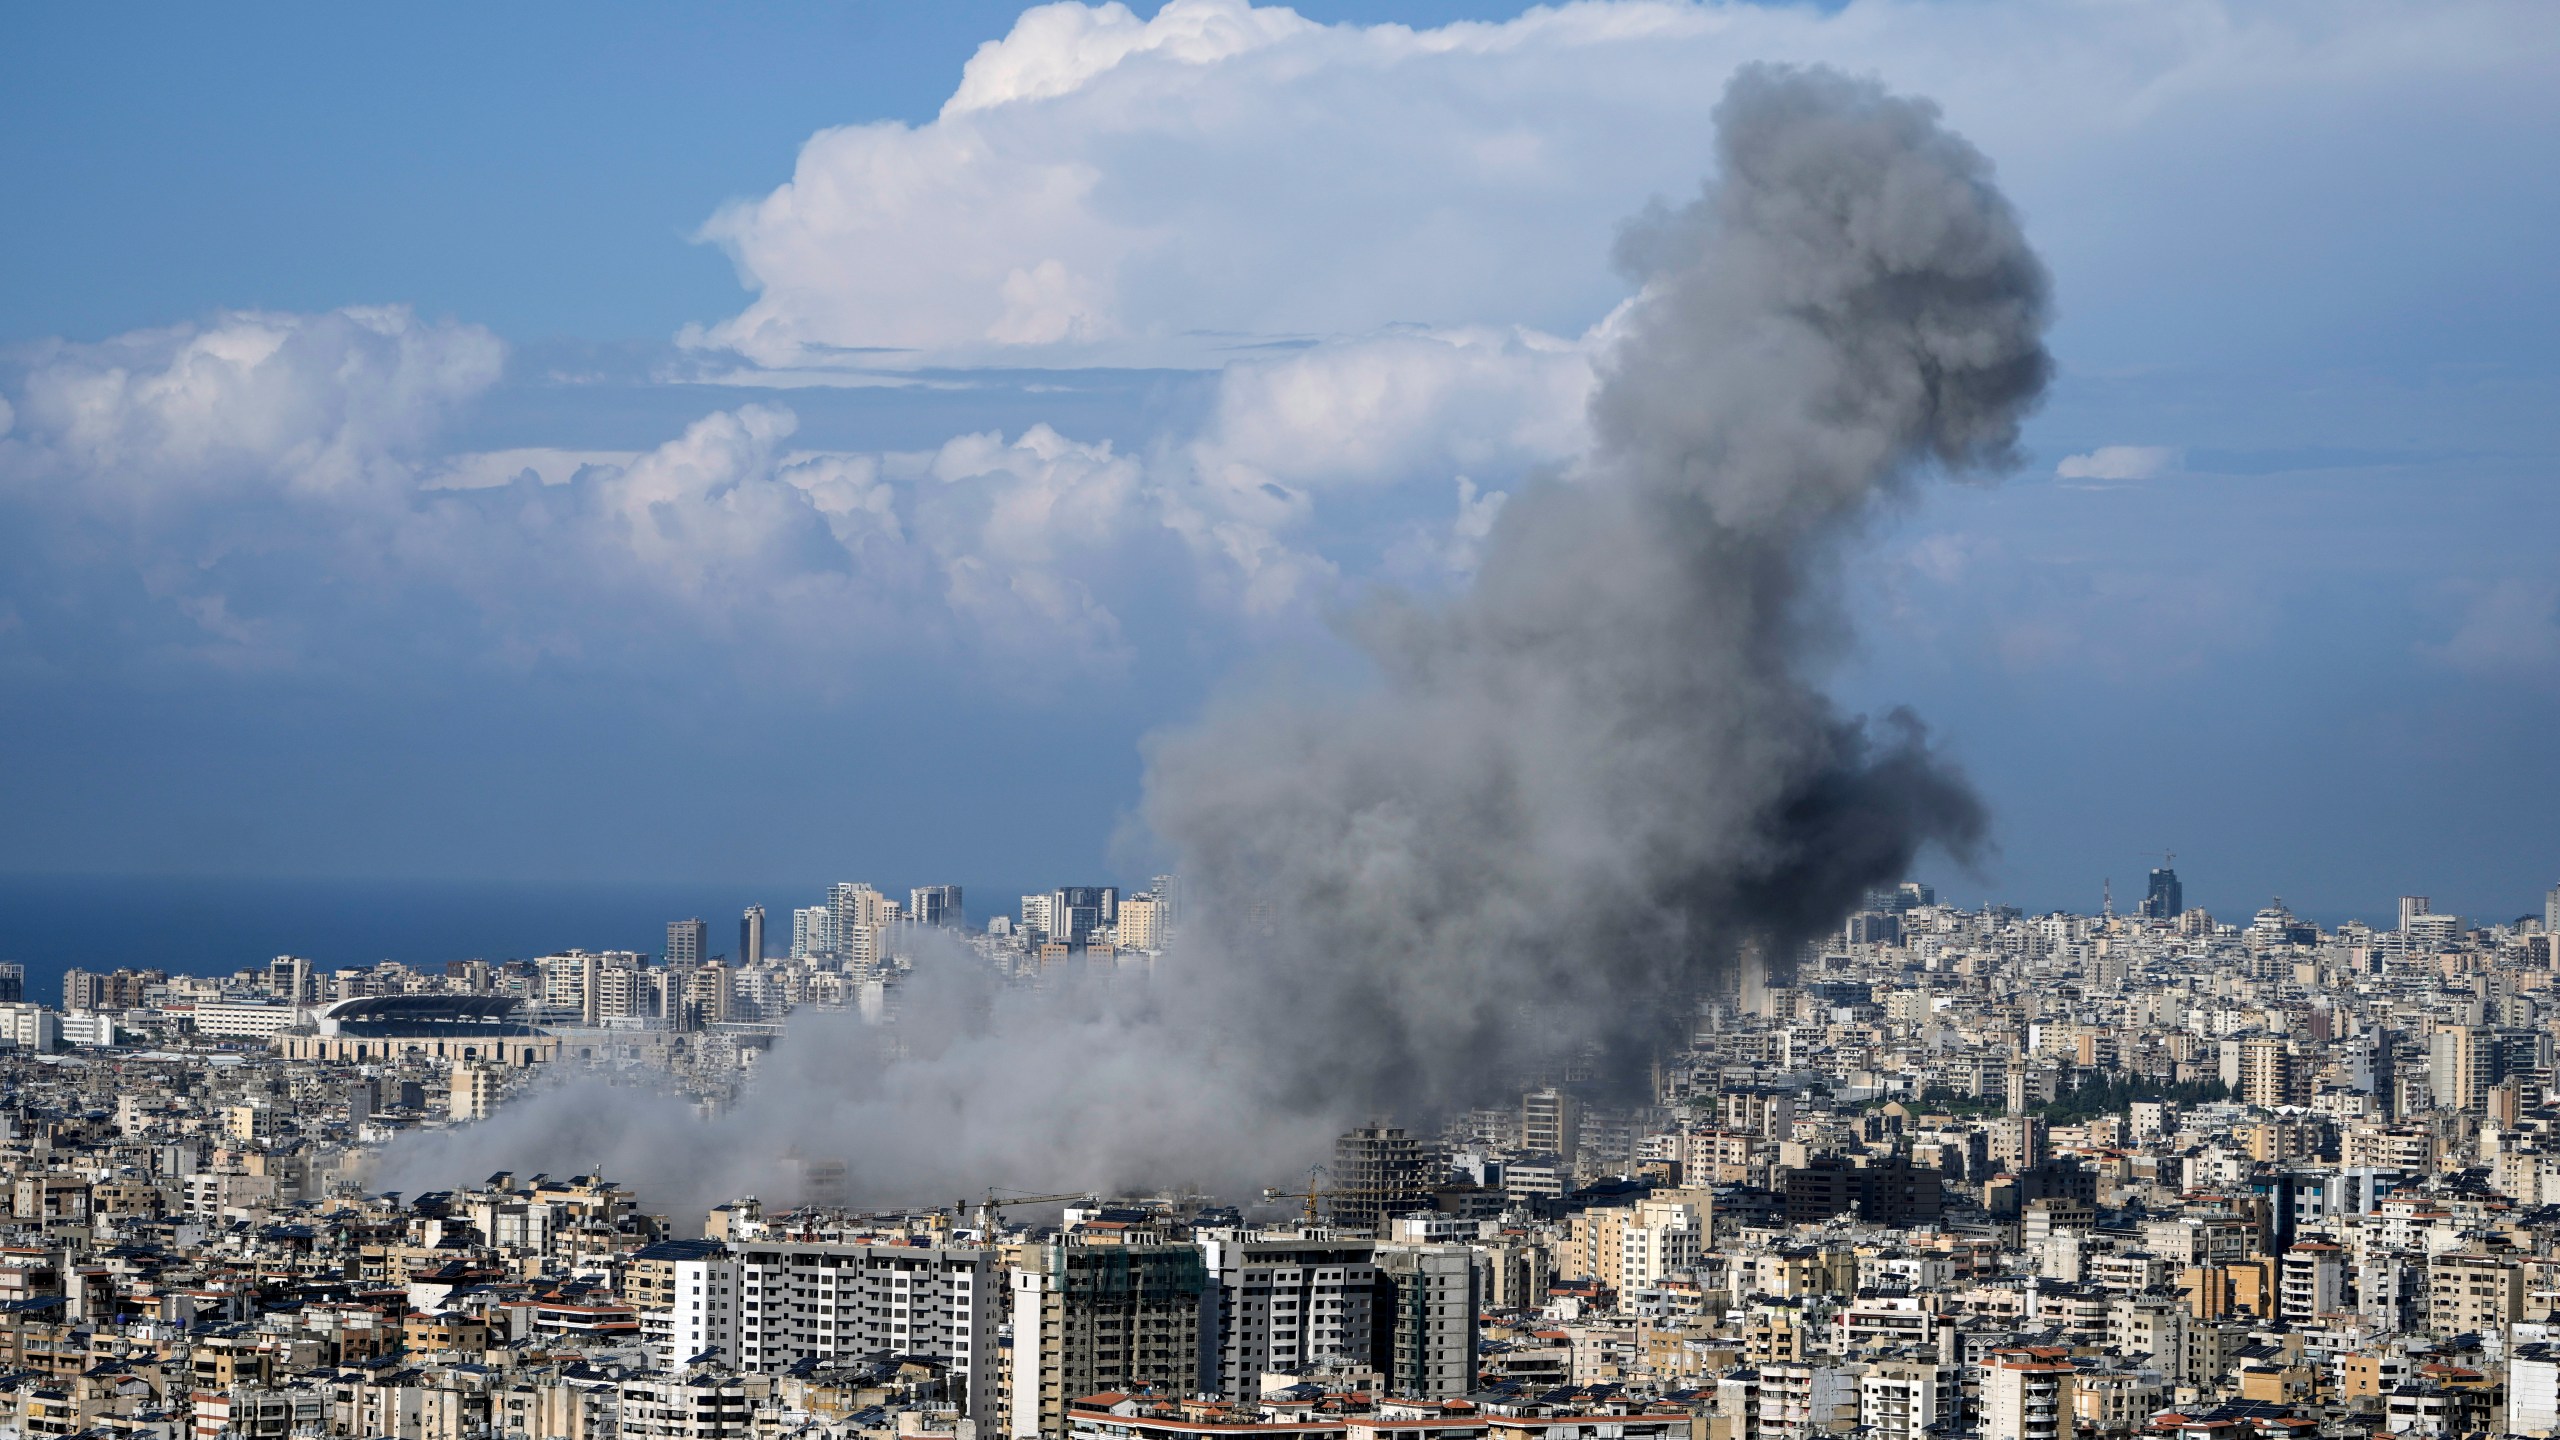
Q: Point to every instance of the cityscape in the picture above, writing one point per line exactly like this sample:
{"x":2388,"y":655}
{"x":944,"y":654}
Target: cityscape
{"x":1562,"y":619}
{"x":1950,"y":1172}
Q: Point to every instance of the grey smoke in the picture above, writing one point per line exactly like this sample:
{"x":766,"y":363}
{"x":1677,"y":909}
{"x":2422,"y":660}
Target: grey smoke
{"x":1566,"y":799}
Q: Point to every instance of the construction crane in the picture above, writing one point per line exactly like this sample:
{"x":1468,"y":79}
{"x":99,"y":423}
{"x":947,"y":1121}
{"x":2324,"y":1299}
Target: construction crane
{"x":988,"y":1207}
{"x":1313,"y":1194}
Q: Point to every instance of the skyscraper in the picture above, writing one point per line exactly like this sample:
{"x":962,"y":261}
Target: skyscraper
{"x":2166,"y":900}
{"x":1423,"y":1327}
{"x":687,"y":941}
{"x":934,"y":905}
{"x":2411,"y":907}
{"x":813,"y":932}
{"x":858,"y":912}
{"x":2551,"y":910}
{"x":2462,"y":1065}
{"x":751,"y":935}
{"x":1076,"y":911}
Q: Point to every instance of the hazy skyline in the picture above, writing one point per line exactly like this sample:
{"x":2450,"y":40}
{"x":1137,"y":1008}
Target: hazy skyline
{"x":452,"y":454}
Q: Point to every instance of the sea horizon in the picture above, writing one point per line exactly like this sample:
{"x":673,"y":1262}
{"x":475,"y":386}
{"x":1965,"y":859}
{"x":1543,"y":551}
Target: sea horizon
{"x":214,"y":925}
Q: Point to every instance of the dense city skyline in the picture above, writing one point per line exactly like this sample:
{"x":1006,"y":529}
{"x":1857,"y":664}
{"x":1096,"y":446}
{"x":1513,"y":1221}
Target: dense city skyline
{"x":1696,"y":721}
{"x":2267,"y":589}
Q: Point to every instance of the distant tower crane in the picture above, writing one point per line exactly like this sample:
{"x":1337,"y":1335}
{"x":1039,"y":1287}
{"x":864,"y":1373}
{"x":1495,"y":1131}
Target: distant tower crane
{"x":1313,"y":1194}
{"x":988,"y":1207}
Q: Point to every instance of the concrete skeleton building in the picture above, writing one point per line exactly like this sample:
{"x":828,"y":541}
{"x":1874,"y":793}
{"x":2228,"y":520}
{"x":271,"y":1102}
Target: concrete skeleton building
{"x":1091,"y":1318}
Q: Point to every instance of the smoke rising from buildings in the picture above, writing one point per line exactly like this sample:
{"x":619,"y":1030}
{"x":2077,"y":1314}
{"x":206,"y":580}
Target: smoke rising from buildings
{"x":1564,"y":801}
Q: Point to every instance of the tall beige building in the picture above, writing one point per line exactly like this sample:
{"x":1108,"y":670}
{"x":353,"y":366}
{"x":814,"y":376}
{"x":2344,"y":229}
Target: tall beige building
{"x":2461,"y":1066}
{"x":2268,"y":1074}
{"x":1550,"y":1123}
{"x":2470,"y":1293}
{"x":2027,"y":1395}
{"x":1141,"y":925}
{"x":475,"y":1090}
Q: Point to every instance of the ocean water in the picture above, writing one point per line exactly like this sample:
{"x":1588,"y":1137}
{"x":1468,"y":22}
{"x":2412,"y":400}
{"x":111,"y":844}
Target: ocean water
{"x":52,"y":923}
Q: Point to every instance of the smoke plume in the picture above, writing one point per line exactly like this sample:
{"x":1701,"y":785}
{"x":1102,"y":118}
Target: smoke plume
{"x":1566,"y":799}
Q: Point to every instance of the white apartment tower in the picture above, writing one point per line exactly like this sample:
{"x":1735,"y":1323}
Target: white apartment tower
{"x":1276,"y":1305}
{"x":763,"y":1304}
{"x":813,"y":933}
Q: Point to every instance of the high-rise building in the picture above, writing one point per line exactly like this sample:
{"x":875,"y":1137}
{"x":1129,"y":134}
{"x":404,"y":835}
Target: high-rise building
{"x":857,"y":913}
{"x":2027,"y":1396}
{"x":2473,"y":1292}
{"x":1035,"y":917}
{"x":85,"y":992}
{"x":935,"y":905}
{"x":2462,"y":1063}
{"x":2269,"y":1075}
{"x":1076,"y":911}
{"x":622,"y":985}
{"x":1904,"y":1399}
{"x":1089,"y":1318}
{"x":1550,"y":1123}
{"x":13,"y":982}
{"x":2551,"y":910}
{"x":2167,"y":899}
{"x":1880,"y":1191}
{"x":1377,"y":1173}
{"x":688,"y":941}
{"x":1283,"y":1305}
{"x":692,"y":996}
{"x":1142,"y":923}
{"x":289,"y":979}
{"x":763,"y":1305}
{"x":813,"y":933}
{"x":475,"y":1090}
{"x":2311,"y":1282}
{"x":2411,"y":907}
{"x":751,"y":936}
{"x":2432,"y":932}
{"x":1423,"y":1325}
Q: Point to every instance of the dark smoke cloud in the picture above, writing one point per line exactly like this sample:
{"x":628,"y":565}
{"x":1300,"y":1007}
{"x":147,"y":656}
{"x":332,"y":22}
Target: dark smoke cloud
{"x":1575,"y":791}
{"x":1573,"y":794}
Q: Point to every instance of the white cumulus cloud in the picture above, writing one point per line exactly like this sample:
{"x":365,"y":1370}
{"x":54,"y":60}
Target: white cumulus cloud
{"x":330,"y":404}
{"x":2118,"y":462}
{"x":1102,"y":187}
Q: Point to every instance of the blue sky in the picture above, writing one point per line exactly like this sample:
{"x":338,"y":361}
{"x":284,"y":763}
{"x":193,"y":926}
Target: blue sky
{"x":643,"y":442}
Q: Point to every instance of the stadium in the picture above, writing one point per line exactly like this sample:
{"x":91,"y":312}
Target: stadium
{"x":444,"y":1027}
